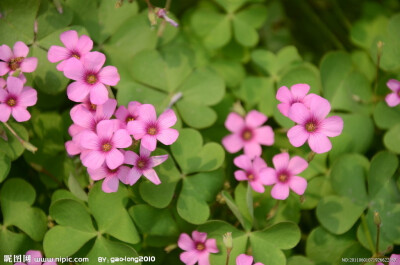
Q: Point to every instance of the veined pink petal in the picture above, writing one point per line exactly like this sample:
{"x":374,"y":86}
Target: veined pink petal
{"x":297,"y":165}
{"x":299,"y":91}
{"x":284,"y":95}
{"x":167,"y":119}
{"x":34,"y":254}
{"x":319,"y":106}
{"x":281,"y":161}
{"x":109,"y":75}
{"x":168,"y":136}
{"x":114,"y":158}
{"x":72,"y":148}
{"x":149,"y":142}
{"x":185,"y":242}
{"x":84,"y":44}
{"x":151,"y":175}
{"x":319,"y":143}
{"x":189,"y":257}
{"x":122,"y":139}
{"x":105,"y":129}
{"x":98,"y":94}
{"x":4,"y":69}
{"x":298,"y":184}
{"x":14,"y":85}
{"x":5,"y":53}
{"x":77,"y":91}
{"x":284,"y":108}
{"x":98,"y":173}
{"x":299,"y":113}
{"x":280,"y":191}
{"x":122,"y":113}
{"x":20,"y":114}
{"x":5,"y":112}
{"x":20,"y":49}
{"x":28,"y":97}
{"x":106,"y":110}
{"x":240,"y":175}
{"x":267,"y":176}
{"x":264,"y":135}
{"x":392,"y":99}
{"x":204,"y":258}
{"x":257,"y":186}
{"x":137,"y":128}
{"x":255,"y":119}
{"x":130,"y":158}
{"x":110,"y":184}
{"x":144,"y":152}
{"x":157,"y":160}
{"x":75,"y":129}
{"x":332,"y":126}
{"x":234,"y":122}
{"x":147,"y":113}
{"x":82,"y":116}
{"x":61,"y":66}
{"x":74,"y":69}
{"x":133,"y":107}
{"x":28,"y":65}
{"x":252,"y":149}
{"x":69,"y":39}
{"x":3,"y":94}
{"x":393,"y":85}
{"x":211,"y":245}
{"x":258,"y":164}
{"x":243,"y":162}
{"x":89,"y":140}
{"x":297,"y":135}
{"x":133,"y":176}
{"x":94,"y":61}
{"x":232,"y":143}
{"x":244,"y":259}
{"x":93,"y":159}
{"x":199,"y":236}
{"x":57,"y":53}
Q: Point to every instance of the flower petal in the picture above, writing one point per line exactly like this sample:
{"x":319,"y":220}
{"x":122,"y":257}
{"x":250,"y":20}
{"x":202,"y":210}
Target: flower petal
{"x":185,"y":242}
{"x":319,"y":143}
{"x":234,"y":122}
{"x":29,"y":64}
{"x":147,"y":113}
{"x":3,"y":94}
{"x":14,"y":85}
{"x":72,"y":148}
{"x":74,"y":70}
{"x":5,"y":53}
{"x":69,"y":39}
{"x":281,"y":161}
{"x":105,"y":129}
{"x":199,"y":236}
{"x":149,"y":142}
{"x":106,"y":110}
{"x":255,"y":119}
{"x":204,"y":258}
{"x":20,"y":114}
{"x":137,"y":128}
{"x":168,"y":136}
{"x":114,"y":158}
{"x":189,"y":257}
{"x":257,"y":186}
{"x":284,"y":108}
{"x":122,"y":113}
{"x":122,"y":139}
{"x":167,"y":119}
{"x":299,"y":91}
{"x":297,"y":135}
{"x":392,"y":99}
{"x":110,"y":184}
{"x":284,"y":95}
{"x":393,"y":85}
{"x":299,"y":113}
{"x":252,"y":149}
{"x":264,"y":135}
{"x":211,"y":245}
{"x":98,"y":94}
{"x":297,"y":165}
{"x":319,"y":106}
{"x":98,"y":173}
{"x":89,"y":140}
{"x":28,"y":97}
{"x":130,"y":158}
{"x":298,"y":184}
{"x":243,"y":162}
{"x":20,"y":49}
{"x":267,"y":176}
{"x":82,"y":117}
{"x":332,"y":126}
{"x":144,"y":152}
{"x":232,"y":143}
{"x":94,"y":61}
{"x":77,"y":91}
{"x":93,"y":159}
{"x":57,"y":53}
{"x":34,"y":254}
{"x":133,"y":176}
{"x":280,"y":191}
{"x":84,"y":45}
{"x":109,"y":75}
{"x":4,"y":69}
{"x":240,"y":175}
{"x":258,"y":164}
{"x":151,"y":175}
{"x":157,"y":160}
{"x":244,"y":259}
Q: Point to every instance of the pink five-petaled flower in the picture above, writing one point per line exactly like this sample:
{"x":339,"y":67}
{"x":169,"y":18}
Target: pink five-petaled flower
{"x":90,"y":78}
{"x":111,"y":177}
{"x":393,"y":260}
{"x":102,"y":146}
{"x":149,"y":129}
{"x":393,"y":99}
{"x":126,"y":115}
{"x":283,"y":177}
{"x":313,"y":124}
{"x":247,"y":133}
{"x":251,"y":172}
{"x":143,"y":165}
{"x":16,"y":59}
{"x":75,"y":47}
{"x":35,"y":255}
{"x":244,"y":259}
{"x":15,"y":99}
{"x":197,"y":248}
{"x":288,"y":97}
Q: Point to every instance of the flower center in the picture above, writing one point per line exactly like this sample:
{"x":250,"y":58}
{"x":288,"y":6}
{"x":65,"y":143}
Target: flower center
{"x":76,"y":56}
{"x":250,"y":177}
{"x":15,"y":63}
{"x":141,"y":163}
{"x":247,"y":134}
{"x":130,"y":118}
{"x":311,"y":126}
{"x":283,"y":177}
{"x":200,"y":246}
{"x":152,"y":130}
{"x":93,"y":106}
{"x":107,"y":147}
{"x":11,"y":102}
{"x":91,"y":79}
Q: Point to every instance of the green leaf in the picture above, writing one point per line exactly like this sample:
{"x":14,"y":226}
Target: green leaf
{"x":232,"y":72}
{"x":192,"y":156}
{"x":392,"y":139}
{"x":254,"y":15}
{"x":244,"y":201}
{"x":14,"y":243}
{"x":383,"y":166}
{"x":196,"y":115}
{"x":70,"y":213}
{"x":235,"y":210}
{"x":197,"y":191}
{"x":50,"y":20}
{"x":244,"y":33}
{"x":12,"y":147}
{"x":76,"y":188}
{"x":299,"y":260}
{"x":338,"y":214}
{"x":5,"y":166}
{"x":384,"y":116}
{"x":317,"y":188}
{"x":231,"y":5}
{"x":302,"y":74}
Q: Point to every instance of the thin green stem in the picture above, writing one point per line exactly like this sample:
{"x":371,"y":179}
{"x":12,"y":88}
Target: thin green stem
{"x":378,"y":234}
{"x":24,"y":143}
{"x":228,"y":254}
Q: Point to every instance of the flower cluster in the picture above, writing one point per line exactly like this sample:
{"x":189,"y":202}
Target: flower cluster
{"x":31,"y":259}
{"x":101,"y":132}
{"x":14,"y":96}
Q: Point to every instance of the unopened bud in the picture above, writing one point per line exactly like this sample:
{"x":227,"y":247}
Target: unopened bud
{"x":152,"y":17}
{"x":228,"y":242}
{"x":58,"y":5}
{"x":169,"y":248}
{"x":377,"y":219}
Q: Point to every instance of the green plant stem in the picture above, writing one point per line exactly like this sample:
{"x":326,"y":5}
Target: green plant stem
{"x":378,"y":234}
{"x":24,"y":143}
{"x":367,"y":232}
{"x":228,"y":254}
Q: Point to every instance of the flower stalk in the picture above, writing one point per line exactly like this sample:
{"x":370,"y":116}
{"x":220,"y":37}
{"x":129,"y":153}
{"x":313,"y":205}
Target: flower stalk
{"x":228,"y":242}
{"x":378,"y":222}
{"x":27,"y":145}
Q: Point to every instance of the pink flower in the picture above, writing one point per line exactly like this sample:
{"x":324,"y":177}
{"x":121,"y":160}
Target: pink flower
{"x":2,"y":83}
{"x":102,"y":146}
{"x":34,"y":255}
{"x":393,"y":99}
{"x":15,"y":99}
{"x":283,"y":177}
{"x":244,"y":259}
{"x":75,"y":47}
{"x":288,"y":97}
{"x":16,"y":59}
{"x":313,"y":124}
{"x":90,"y":78}
{"x":149,"y":129}
{"x":161,"y":13}
{"x":127,"y":115}
{"x":143,"y":165}
{"x":197,"y":249}
{"x":111,"y":177}
{"x":247,"y":133}
{"x":393,"y":260}
{"x":251,"y":171}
